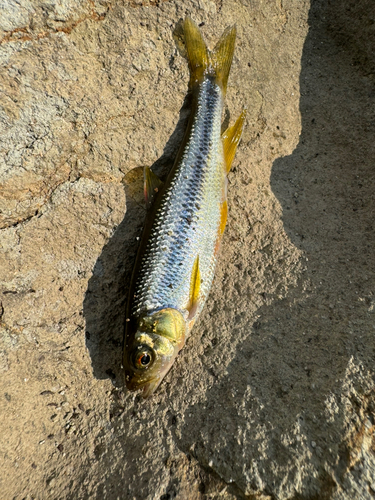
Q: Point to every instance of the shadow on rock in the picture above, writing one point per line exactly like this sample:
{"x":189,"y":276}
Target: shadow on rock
{"x":275,"y":423}
{"x":105,"y":300}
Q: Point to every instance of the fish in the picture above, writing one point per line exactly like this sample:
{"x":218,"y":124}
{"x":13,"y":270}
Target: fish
{"x":187,"y":215}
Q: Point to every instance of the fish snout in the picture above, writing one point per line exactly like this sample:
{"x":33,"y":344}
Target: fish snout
{"x":134,"y":383}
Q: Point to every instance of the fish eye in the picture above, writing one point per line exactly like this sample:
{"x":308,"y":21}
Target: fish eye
{"x":145,"y":359}
{"x":142,"y":357}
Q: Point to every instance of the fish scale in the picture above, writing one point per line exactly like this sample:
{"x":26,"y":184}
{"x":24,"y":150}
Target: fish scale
{"x":187,"y":221}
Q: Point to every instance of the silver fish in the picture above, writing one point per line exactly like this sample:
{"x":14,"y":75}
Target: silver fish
{"x":177,"y":257}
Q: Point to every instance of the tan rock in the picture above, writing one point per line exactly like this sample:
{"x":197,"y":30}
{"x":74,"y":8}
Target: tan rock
{"x":273,"y":395}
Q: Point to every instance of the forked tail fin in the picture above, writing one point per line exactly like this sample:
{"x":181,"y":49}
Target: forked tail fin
{"x":202,"y":61}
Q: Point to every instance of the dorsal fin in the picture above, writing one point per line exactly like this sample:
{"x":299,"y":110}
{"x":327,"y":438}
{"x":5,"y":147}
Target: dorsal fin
{"x":231,"y":137}
{"x":195,"y":285}
{"x":152,"y":185}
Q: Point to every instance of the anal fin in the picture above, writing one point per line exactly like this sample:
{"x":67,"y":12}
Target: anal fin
{"x":152,"y":184}
{"x":231,"y":137}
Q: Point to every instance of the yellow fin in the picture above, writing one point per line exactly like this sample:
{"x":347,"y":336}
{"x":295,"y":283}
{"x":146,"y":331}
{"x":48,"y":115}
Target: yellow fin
{"x":204,"y":62}
{"x":152,"y":185}
{"x":179,"y":38}
{"x":195,"y":285}
{"x":196,"y":51}
{"x":222,"y":56}
{"x":223,"y":216}
{"x":231,"y":137}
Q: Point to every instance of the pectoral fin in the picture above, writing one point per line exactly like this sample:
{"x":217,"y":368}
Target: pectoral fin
{"x":231,"y":137}
{"x":152,"y":184}
{"x":195,"y":285}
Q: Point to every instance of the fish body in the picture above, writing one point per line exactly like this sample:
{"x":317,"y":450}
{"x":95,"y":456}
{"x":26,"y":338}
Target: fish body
{"x":176,"y":262}
{"x":187,"y":221}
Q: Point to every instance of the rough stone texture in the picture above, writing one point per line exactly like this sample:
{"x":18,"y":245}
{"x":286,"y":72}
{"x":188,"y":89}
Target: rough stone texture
{"x":273,"y":395}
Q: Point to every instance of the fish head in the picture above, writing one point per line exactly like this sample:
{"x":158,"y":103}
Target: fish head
{"x":155,"y":345}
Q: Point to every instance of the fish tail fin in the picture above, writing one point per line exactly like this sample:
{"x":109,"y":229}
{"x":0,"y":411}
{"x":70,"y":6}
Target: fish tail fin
{"x":204,"y":62}
{"x":222,"y":56}
{"x":197,"y":53}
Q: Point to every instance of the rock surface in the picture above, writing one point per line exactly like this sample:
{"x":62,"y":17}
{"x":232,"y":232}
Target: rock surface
{"x":273,"y":395}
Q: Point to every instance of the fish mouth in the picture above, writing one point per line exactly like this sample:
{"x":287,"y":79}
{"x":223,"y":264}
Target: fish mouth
{"x":148,"y":387}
